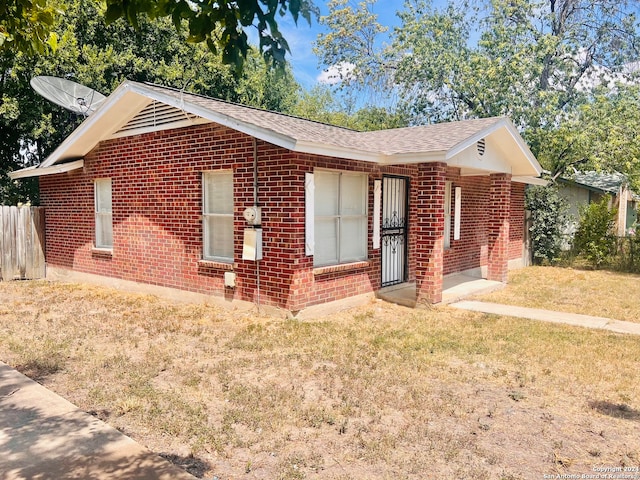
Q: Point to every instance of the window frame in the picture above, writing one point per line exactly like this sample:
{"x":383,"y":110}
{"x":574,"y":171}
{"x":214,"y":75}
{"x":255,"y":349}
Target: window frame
{"x":340,"y":217}
{"x":206,"y":216}
{"x":102,"y":217}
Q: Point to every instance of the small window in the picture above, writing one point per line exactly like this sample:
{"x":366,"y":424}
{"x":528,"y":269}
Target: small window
{"x":217,"y":216}
{"x":103,"y":214}
{"x":447,"y":215}
{"x":341,"y":228}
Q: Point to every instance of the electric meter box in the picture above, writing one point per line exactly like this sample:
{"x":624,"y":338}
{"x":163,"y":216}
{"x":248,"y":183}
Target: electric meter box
{"x":252,"y":244}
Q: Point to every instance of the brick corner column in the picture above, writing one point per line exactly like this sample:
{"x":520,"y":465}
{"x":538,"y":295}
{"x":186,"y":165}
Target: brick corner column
{"x":500,"y":202}
{"x":429,"y":205}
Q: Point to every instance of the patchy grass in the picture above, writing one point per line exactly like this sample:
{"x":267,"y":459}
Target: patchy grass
{"x":379,"y":391}
{"x":590,"y":292}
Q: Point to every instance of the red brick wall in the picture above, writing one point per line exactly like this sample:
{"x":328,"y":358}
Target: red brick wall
{"x":157,"y":185}
{"x":157,"y":204}
{"x":516,"y":221}
{"x":471,"y":250}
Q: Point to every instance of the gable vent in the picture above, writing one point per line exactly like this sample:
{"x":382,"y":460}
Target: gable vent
{"x":481,"y":146}
{"x":157,"y":116}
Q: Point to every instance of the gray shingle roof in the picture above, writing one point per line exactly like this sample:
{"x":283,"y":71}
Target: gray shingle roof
{"x":419,"y":139}
{"x":403,"y":146}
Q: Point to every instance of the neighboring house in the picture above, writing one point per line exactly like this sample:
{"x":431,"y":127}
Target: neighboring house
{"x":157,"y":185}
{"x":583,"y":188}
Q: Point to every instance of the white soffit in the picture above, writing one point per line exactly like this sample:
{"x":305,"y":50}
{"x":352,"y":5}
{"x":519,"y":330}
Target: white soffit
{"x":38,"y":172}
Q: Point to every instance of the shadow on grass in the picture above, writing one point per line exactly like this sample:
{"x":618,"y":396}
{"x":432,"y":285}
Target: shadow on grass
{"x":194,"y":465}
{"x":616,"y":410}
{"x":40,"y":368}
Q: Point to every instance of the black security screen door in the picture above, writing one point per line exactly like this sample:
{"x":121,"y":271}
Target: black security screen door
{"x":394,"y":230}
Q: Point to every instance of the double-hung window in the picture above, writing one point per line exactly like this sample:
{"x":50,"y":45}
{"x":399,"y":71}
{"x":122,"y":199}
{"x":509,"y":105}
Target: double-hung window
{"x":340,"y":217}
{"x":217,"y":215}
{"x":103,"y":214}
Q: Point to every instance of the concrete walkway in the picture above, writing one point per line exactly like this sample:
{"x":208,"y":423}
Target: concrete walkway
{"x":574,"y":319}
{"x":42,"y":436}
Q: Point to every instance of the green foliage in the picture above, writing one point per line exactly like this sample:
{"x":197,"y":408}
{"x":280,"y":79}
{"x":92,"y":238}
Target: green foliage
{"x":102,"y":56}
{"x":549,"y":212}
{"x":220,"y":24}
{"x":594,"y":240}
{"x":26,"y":26}
{"x":601,"y":134}
{"x":537,"y":61}
{"x":321,"y":105}
{"x":351,"y":40}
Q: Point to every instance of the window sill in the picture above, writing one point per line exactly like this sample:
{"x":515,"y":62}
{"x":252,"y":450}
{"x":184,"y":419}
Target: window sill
{"x":213,"y":264}
{"x":102,"y":252}
{"x":344,"y":267}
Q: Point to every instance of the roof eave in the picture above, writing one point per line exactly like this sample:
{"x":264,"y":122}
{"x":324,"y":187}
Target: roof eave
{"x":41,"y":171}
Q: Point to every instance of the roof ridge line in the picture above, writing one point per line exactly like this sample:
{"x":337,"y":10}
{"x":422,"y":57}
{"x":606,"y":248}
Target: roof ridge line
{"x":250,"y":107}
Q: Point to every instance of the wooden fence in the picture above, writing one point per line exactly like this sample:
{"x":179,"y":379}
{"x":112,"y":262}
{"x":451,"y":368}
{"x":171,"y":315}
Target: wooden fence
{"x":21,"y":243}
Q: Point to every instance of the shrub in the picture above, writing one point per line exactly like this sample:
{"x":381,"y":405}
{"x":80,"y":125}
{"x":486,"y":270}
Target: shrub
{"x":594,"y":240}
{"x":549,"y":214}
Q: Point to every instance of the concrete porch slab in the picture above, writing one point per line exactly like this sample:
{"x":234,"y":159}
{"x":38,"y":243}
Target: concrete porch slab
{"x":454,"y":288}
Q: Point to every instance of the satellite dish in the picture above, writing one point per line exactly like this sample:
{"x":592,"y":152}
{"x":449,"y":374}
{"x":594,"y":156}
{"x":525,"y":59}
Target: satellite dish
{"x":70,"y":95}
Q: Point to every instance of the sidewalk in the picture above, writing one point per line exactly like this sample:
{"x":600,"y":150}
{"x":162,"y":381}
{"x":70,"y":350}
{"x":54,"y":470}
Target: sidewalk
{"x":42,"y":436}
{"x":574,"y":319}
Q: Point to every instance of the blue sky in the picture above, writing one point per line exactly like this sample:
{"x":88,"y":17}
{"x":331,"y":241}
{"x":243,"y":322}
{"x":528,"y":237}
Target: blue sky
{"x":301,"y":39}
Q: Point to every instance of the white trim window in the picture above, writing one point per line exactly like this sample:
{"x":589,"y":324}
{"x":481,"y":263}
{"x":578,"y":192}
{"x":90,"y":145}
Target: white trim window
{"x":217,"y":216}
{"x":340,"y":220}
{"x":103,"y":213}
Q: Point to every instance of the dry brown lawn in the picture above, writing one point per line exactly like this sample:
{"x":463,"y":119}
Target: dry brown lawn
{"x":380,"y":391}
{"x":590,"y":292}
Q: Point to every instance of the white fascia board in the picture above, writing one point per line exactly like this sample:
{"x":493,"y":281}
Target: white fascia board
{"x":530,"y":180}
{"x":40,"y":171}
{"x":225,"y":120}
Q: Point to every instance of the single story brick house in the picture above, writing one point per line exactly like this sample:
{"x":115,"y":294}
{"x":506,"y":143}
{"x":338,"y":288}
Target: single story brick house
{"x":163,"y":187}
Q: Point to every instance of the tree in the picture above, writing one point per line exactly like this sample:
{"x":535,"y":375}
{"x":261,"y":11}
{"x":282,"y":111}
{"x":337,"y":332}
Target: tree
{"x":26,"y":26}
{"x":534,"y":61}
{"x":594,"y":239}
{"x":221,"y":24}
{"x":601,"y":134}
{"x":549,"y":216}
{"x":321,"y":105}
{"x":102,"y":56}
{"x":350,"y":47}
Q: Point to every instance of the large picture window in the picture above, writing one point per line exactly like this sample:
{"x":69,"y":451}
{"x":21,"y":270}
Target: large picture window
{"x":217,"y":216}
{"x":340,"y":220}
{"x":103,"y":214}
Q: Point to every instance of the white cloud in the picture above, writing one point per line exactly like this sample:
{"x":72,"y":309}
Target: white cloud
{"x":336,"y":73}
